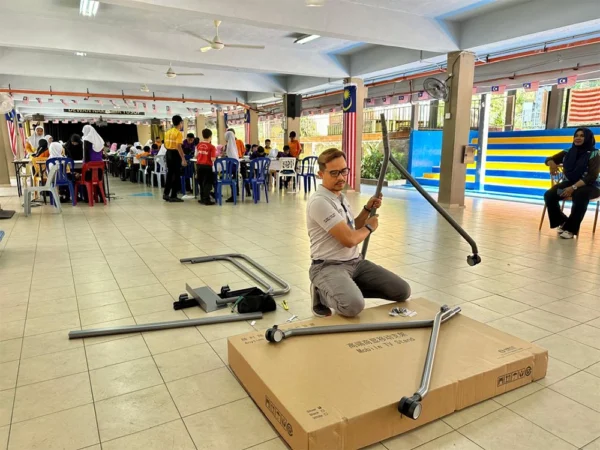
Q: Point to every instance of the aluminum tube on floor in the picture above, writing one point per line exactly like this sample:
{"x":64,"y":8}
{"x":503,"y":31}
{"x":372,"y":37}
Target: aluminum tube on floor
{"x":435,"y":204}
{"x":428,"y":369}
{"x":163,"y":325}
{"x":358,"y":327}
{"x":382,"y":173}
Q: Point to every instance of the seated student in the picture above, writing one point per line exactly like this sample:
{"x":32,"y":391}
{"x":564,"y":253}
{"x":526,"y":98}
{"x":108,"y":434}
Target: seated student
{"x":581,"y":167}
{"x":258,"y":153}
{"x":267,"y":146}
{"x":248,"y":151}
{"x":154,"y":149}
{"x":340,"y":277}
{"x":253,"y":149}
{"x":74,"y":148}
{"x":206,"y":153}
{"x":42,"y":150}
{"x":285,"y":153}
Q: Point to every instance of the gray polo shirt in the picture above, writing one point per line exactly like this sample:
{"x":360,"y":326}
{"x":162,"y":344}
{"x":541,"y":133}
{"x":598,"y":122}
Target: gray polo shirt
{"x":324,"y":211}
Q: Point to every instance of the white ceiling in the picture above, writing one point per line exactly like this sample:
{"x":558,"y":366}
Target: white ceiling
{"x":132,"y":42}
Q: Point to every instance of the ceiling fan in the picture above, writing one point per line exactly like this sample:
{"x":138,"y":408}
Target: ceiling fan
{"x":170,"y":73}
{"x":217,"y":44}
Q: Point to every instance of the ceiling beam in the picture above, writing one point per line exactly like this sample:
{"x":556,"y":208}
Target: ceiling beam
{"x":352,"y":21}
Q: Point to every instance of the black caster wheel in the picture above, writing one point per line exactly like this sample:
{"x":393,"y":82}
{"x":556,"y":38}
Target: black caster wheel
{"x":410,"y":407}
{"x":473,"y":260}
{"x":274,"y":335}
{"x":183,"y":297}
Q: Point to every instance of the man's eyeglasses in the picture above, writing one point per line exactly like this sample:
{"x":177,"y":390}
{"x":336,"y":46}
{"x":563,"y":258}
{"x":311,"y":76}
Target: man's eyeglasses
{"x":337,"y":173}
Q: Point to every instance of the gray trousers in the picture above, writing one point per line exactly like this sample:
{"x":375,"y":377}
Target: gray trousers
{"x":343,"y":286}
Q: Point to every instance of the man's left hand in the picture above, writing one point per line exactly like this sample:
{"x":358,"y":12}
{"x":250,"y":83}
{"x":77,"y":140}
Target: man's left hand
{"x":375,"y":202}
{"x":567,"y":192}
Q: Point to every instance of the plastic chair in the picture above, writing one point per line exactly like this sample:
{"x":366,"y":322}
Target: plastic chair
{"x":227,"y":170}
{"x":26,"y":173}
{"x":96,"y":171}
{"x":143,"y":170}
{"x":49,"y":186}
{"x":307,"y":172}
{"x":188,"y":174}
{"x":259,"y":175}
{"x":61,"y":176}
{"x":288,"y":170}
{"x":160,"y":170}
{"x":554,"y":180}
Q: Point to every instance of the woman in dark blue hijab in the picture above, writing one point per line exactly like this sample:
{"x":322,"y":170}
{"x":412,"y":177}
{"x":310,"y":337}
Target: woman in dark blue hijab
{"x":580,"y":182}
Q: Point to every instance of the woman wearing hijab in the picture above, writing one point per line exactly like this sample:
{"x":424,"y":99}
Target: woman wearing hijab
{"x":231,"y":151}
{"x":581,"y":167}
{"x":56,"y":150}
{"x":49,"y":139}
{"x":92,"y":144}
{"x":74,"y":148}
{"x":42,"y":151}
{"x":33,"y":141}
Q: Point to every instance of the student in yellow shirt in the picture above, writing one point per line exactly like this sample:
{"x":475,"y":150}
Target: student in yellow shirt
{"x":175,"y":159}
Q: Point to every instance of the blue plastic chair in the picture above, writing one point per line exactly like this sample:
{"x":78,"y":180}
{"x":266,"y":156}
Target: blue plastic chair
{"x":307,"y":172}
{"x":226,"y":170}
{"x":61,"y":175}
{"x":259,"y":175}
{"x":188,"y":174}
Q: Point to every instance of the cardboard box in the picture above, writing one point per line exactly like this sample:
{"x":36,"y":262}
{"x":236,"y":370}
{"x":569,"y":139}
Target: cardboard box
{"x":341,"y":391}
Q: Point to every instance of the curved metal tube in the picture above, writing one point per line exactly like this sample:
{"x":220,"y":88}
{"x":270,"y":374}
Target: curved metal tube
{"x":231,"y":257}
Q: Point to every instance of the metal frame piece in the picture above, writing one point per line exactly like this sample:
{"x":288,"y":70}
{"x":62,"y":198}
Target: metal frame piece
{"x":473,"y":259}
{"x":76,"y":334}
{"x":408,"y":406}
{"x":231,"y":257}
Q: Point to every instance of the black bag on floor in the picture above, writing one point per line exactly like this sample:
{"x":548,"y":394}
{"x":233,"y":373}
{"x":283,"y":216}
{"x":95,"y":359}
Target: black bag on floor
{"x":249,"y":300}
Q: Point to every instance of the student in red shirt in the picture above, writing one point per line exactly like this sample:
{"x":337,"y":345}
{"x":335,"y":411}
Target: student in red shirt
{"x":206,"y":154}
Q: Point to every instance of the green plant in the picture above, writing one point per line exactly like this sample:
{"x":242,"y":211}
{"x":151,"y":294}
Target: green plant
{"x":372,"y":160}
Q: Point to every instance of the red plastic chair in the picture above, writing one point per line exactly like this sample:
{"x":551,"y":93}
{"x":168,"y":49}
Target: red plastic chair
{"x":96,"y":171}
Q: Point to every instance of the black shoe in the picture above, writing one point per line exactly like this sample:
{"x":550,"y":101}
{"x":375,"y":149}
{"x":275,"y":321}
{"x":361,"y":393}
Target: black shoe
{"x":209,"y":203}
{"x":166,"y":198}
{"x":229,"y":200}
{"x":318,"y":308}
{"x":202,"y":202}
{"x":175,"y":200}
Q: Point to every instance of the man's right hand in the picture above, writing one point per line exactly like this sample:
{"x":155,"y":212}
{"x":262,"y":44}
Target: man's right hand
{"x":553,"y":167}
{"x":373,"y":221}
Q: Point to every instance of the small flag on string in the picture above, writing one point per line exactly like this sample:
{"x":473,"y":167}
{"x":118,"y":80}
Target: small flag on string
{"x":26,"y":100}
{"x":126,"y":102}
{"x":212,"y":109}
{"x":385,"y":100}
{"x":168,"y":109}
{"x":136,"y":105}
{"x":64,"y":102}
{"x":39,"y":100}
{"x":153,"y":108}
{"x":531,"y":86}
{"x":144,"y":106}
{"x":332,"y":110}
{"x":74,"y":101}
{"x":74,"y":121}
{"x":112,"y":102}
{"x":370,"y":102}
{"x":196,"y":110}
{"x":190,"y":110}
{"x":50,"y":100}
{"x":129,"y":122}
{"x":501,"y":89}
{"x":57,"y":121}
{"x":403,"y":98}
{"x":311,"y":112}
{"x":99,"y":102}
{"x":119,"y":121}
{"x":566,"y":82}
{"x":422,"y":95}
{"x":474,"y":90}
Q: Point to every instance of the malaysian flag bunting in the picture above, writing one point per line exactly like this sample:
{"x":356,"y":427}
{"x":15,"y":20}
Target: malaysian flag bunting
{"x":50,"y":100}
{"x":112,"y":102}
{"x":64,"y":102}
{"x":385,"y":100}
{"x":126,"y":102}
{"x":311,"y":113}
{"x":26,"y":100}
{"x":566,"y":82}
{"x":74,"y":101}
{"x":189,"y":110}
{"x":99,"y":102}
{"x":153,"y":108}
{"x":474,"y":90}
{"x":370,"y":102}
{"x":403,"y":98}
{"x":39,"y":100}
{"x":196,"y":110}
{"x":422,"y":95}
{"x":332,"y":110}
{"x":144,"y":106}
{"x":584,"y":108}
{"x":57,"y":121}
{"x":501,"y":89}
{"x":168,"y":109}
{"x":531,"y":86}
{"x":247,"y":125}
{"x":136,"y":105}
{"x":12,"y":133}
{"x":349,"y":130}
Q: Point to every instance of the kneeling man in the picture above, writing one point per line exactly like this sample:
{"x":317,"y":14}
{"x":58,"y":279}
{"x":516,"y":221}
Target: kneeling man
{"x":340,"y":277}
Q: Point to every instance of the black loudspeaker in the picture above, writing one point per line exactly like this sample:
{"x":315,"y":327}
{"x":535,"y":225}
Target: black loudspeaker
{"x":294,"y":105}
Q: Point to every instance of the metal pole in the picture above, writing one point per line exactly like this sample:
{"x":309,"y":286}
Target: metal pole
{"x":231,"y":258}
{"x":384,"y":166}
{"x":428,"y":369}
{"x":163,"y":325}
{"x":482,"y":144}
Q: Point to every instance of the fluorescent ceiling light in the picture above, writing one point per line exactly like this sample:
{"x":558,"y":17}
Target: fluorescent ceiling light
{"x":306,"y":38}
{"x":89,"y":8}
{"x":315,"y":3}
{"x":80,"y":53}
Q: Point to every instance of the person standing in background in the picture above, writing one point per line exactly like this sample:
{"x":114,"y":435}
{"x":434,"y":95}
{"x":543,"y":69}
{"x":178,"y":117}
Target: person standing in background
{"x":189,"y":148}
{"x":175,"y":159}
{"x":206,"y":155}
{"x":93,"y":144}
{"x":295,"y":146}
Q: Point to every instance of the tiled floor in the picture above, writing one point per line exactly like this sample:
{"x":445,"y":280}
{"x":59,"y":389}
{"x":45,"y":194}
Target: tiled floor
{"x":119,"y":265}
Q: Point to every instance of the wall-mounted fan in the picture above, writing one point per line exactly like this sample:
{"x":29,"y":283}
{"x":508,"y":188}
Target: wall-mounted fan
{"x":216,"y":43}
{"x":437,"y":89}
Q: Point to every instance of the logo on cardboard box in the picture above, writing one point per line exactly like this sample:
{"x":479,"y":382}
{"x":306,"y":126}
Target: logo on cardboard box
{"x":516,"y":375}
{"x":279,"y":417}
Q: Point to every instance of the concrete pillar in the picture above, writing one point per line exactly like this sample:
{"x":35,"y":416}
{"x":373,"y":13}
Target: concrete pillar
{"x":555,"y":108}
{"x":484,"y":128}
{"x":414,"y":116}
{"x":434,"y":106}
{"x":253,"y":138}
{"x":220,"y":127}
{"x":509,"y":118}
{"x":144,"y":133}
{"x":357,"y":105}
{"x":200,"y":124}
{"x":185,"y":126}
{"x":6,"y":156}
{"x":456,"y":129}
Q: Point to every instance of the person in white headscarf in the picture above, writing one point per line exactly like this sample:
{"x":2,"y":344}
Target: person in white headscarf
{"x":92,"y":144}
{"x":49,"y":139}
{"x":230,"y":145}
{"x":33,"y":141}
{"x":148,"y":143}
{"x":56,"y":150}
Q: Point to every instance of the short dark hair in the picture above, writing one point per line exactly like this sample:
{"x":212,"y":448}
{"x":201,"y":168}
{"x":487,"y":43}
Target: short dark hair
{"x":260,"y":149}
{"x":248,"y":146}
{"x":154,"y":147}
{"x":267,"y":140}
{"x":286,"y":147}
{"x":231,"y":129}
{"x":292,"y":134}
{"x":191,"y":135}
{"x":176,"y":120}
{"x":329,"y":155}
{"x":254,"y":145}
{"x":146,"y":148}
{"x":206,"y":133}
